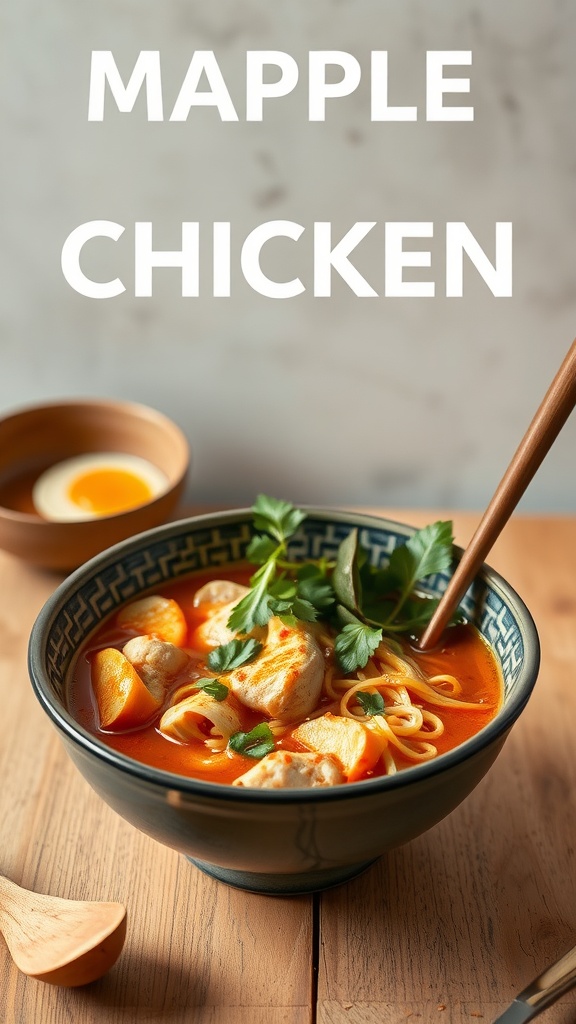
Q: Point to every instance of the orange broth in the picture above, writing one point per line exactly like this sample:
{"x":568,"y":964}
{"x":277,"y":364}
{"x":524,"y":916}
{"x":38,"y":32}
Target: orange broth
{"x":467,"y":656}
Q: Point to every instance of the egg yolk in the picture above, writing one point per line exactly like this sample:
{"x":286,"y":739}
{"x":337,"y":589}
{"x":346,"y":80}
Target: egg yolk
{"x":104,"y":492}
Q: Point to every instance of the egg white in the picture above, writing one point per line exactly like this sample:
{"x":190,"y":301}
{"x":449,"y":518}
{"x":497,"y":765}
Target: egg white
{"x":50,"y":492}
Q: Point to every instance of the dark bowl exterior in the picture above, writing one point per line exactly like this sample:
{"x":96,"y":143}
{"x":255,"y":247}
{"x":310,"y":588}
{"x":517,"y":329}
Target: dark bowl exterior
{"x":287,"y":846}
{"x":270,"y":841}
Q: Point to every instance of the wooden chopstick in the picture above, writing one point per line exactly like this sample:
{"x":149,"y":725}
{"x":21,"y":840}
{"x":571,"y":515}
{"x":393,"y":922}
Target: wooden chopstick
{"x":551,"y":416}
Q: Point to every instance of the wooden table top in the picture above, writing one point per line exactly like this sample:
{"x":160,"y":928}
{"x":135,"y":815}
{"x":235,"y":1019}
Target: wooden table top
{"x":447,"y":929}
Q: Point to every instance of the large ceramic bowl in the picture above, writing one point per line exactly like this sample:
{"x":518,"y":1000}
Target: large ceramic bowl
{"x":273,"y":841}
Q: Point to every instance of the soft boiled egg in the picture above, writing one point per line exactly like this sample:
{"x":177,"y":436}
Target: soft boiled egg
{"x":96,"y":484}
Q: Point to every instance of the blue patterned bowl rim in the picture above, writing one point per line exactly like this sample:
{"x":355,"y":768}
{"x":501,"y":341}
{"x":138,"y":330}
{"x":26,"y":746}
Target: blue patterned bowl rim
{"x":120,"y":572}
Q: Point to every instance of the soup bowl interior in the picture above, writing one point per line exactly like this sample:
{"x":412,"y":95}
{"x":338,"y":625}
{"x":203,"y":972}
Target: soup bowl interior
{"x":273,"y":841}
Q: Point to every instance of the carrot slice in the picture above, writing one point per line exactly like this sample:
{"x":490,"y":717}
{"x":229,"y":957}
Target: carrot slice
{"x":161,"y":616}
{"x":124,"y":701}
{"x":356,"y":748}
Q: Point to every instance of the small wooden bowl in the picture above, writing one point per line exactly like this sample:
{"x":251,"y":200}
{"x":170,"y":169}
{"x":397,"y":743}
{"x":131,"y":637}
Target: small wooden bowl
{"x":37,"y":437}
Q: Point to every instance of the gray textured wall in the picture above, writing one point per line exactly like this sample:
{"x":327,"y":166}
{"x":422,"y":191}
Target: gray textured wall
{"x":382,"y":400}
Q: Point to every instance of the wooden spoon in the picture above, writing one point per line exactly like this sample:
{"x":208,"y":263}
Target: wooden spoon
{"x":64,"y":942}
{"x":551,"y":416}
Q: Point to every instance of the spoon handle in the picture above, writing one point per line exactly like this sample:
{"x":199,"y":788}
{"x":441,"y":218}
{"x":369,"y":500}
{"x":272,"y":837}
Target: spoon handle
{"x":551,"y":416}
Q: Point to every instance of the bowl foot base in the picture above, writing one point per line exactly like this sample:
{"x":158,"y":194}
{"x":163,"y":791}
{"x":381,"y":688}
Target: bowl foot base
{"x":283,"y":885}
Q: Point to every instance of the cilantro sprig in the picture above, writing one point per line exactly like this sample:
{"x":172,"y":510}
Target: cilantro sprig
{"x":256,"y":743}
{"x":213,"y":687}
{"x":280,"y":586}
{"x":276,"y":517}
{"x":233,"y":654}
{"x":355,"y":644}
{"x":371,"y":703}
{"x":365,"y":602}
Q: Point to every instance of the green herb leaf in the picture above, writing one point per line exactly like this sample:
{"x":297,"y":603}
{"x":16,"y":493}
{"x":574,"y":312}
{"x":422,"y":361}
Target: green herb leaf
{"x":279,"y":586}
{"x":283,"y":589}
{"x":314,"y":586}
{"x":428,"y":551}
{"x":388,"y":593}
{"x":256,"y":743}
{"x":355,"y":645}
{"x":378,"y":611}
{"x":304,"y":610}
{"x":377,"y":583}
{"x":231,"y":655}
{"x":346,"y":575}
{"x":345,"y":617}
{"x":276,"y":517}
{"x":255,"y":608}
{"x":260,"y":549}
{"x":371,"y":703}
{"x":281,"y":608}
{"x":416,"y":613}
{"x":291,"y":598}
{"x":213,"y":687}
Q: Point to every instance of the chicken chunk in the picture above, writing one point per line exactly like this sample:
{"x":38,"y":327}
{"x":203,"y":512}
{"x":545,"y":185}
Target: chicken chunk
{"x":283,"y":769}
{"x":285,"y":680}
{"x":219,"y":592}
{"x":224,"y":595}
{"x":157,"y":662}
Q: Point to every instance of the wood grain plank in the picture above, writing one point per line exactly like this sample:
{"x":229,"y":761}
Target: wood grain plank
{"x":466,"y":915}
{"x":427,"y":1013}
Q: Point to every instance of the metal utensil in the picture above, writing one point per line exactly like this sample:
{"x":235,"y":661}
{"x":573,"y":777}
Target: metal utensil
{"x":543,"y":991}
